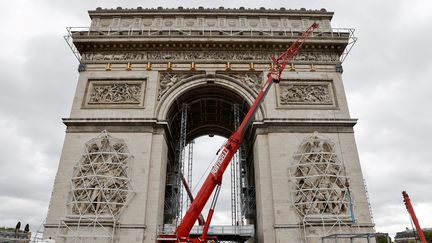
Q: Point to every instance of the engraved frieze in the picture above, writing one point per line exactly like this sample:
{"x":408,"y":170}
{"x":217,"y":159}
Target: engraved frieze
{"x":101,"y":93}
{"x":204,"y":55}
{"x":115,"y":93}
{"x":305,"y":94}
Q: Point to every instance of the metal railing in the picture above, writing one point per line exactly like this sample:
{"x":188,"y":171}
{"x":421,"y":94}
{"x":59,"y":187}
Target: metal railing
{"x":215,"y":32}
{"x":241,"y":230}
{"x":131,"y":32}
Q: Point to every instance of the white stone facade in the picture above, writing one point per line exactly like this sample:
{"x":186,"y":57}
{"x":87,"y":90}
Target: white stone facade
{"x":131,"y":78}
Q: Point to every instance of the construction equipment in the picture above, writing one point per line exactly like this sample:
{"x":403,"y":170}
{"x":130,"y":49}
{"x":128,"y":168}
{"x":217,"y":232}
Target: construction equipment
{"x":214,"y":179}
{"x":413,"y":217}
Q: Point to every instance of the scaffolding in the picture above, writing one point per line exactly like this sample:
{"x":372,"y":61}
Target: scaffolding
{"x":37,"y":236}
{"x":321,"y":190}
{"x":189,"y":168}
{"x":247,"y":187}
{"x":369,"y":205}
{"x":236,"y":212}
{"x":181,"y":158}
{"x":353,"y":237}
{"x":173,"y":208}
{"x":100,"y":190}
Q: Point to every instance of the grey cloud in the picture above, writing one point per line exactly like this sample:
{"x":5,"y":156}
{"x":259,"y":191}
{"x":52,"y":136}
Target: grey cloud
{"x":387,"y":79}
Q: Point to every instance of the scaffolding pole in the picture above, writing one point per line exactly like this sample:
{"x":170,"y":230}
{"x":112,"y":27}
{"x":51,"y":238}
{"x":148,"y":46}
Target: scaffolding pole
{"x":181,"y":158}
{"x":236,"y":215}
{"x":233,"y":172}
{"x":369,"y":205}
{"x":190,"y":163}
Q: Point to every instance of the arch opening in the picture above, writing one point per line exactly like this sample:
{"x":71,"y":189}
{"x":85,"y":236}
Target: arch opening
{"x":210,"y":111}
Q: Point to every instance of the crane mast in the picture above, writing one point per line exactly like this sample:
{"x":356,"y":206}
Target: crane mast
{"x":214,"y":179}
{"x":413,"y":216}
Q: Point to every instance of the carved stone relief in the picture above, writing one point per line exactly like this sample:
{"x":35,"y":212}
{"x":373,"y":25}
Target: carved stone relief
{"x":305,"y":93}
{"x":309,"y":94}
{"x":319,"y":179}
{"x":168,"y":80}
{"x":100,"y":183}
{"x":103,"y":92}
{"x":205,"y":55}
{"x":252,"y":80}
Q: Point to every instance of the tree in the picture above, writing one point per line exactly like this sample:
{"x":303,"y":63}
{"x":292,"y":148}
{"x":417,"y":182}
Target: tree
{"x":382,"y":239}
{"x":428,"y":236}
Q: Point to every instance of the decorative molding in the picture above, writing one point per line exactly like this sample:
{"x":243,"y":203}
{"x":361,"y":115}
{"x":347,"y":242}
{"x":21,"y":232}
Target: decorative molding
{"x":328,"y":57}
{"x":226,"y":19}
{"x":305,"y":93}
{"x":114,"y":93}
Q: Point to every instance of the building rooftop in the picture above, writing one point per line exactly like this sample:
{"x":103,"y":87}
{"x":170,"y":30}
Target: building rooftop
{"x":409,"y":233}
{"x":213,"y":11}
{"x":202,"y":9}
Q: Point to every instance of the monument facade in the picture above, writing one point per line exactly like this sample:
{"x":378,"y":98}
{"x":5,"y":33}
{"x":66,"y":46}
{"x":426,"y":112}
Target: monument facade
{"x":142,"y":69}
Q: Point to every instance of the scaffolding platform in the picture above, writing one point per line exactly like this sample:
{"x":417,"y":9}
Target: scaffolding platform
{"x":357,"y":237}
{"x":234,"y":233}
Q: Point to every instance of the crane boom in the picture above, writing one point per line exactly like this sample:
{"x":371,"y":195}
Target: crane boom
{"x":413,"y":216}
{"x":214,"y":179}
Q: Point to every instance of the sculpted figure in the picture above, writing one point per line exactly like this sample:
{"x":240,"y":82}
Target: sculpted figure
{"x":100,"y":183}
{"x":318,"y":179}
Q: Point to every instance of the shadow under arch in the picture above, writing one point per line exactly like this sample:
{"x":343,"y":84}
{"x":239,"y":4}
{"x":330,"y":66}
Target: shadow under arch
{"x":210,"y":100}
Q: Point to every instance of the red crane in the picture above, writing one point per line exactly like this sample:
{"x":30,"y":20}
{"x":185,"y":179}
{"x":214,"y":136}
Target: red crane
{"x":214,"y":179}
{"x":413,"y":216}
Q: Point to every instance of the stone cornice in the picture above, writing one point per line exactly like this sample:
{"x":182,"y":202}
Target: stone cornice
{"x":112,"y":124}
{"x":349,"y":122}
{"x":297,"y":121}
{"x":109,"y":121}
{"x":304,"y":125}
{"x":275,"y":44}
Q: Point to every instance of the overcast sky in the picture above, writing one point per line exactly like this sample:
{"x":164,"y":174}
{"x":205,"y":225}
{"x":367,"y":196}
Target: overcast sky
{"x":387,"y":80}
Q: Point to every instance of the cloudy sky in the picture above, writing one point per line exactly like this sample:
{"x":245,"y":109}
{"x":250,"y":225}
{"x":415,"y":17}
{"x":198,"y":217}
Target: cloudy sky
{"x":387,"y":79}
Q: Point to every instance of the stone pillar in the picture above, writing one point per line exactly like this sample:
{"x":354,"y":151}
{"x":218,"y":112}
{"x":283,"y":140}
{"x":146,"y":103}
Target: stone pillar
{"x":264,"y":191}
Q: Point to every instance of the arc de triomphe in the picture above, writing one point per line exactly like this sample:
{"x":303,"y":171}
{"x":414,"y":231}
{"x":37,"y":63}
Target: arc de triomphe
{"x":147,"y":76}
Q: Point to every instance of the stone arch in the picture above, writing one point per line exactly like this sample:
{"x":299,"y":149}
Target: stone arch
{"x":201,"y":80}
{"x":210,"y":99}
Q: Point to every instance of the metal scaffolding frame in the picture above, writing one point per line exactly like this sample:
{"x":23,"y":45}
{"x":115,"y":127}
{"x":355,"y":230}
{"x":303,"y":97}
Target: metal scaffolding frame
{"x":236,"y":212}
{"x":321,"y":189}
{"x":145,"y":32}
{"x":100,"y":190}
{"x":352,"y":237}
{"x":369,"y":204}
{"x":247,"y":189}
{"x":181,"y":158}
{"x":189,"y":168}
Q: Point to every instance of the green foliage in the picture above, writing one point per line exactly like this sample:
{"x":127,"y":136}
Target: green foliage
{"x":382,"y":239}
{"x":2,"y":228}
{"x":428,"y":236}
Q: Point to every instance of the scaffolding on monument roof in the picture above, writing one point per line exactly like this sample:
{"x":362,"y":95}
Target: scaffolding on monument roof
{"x":91,"y":32}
